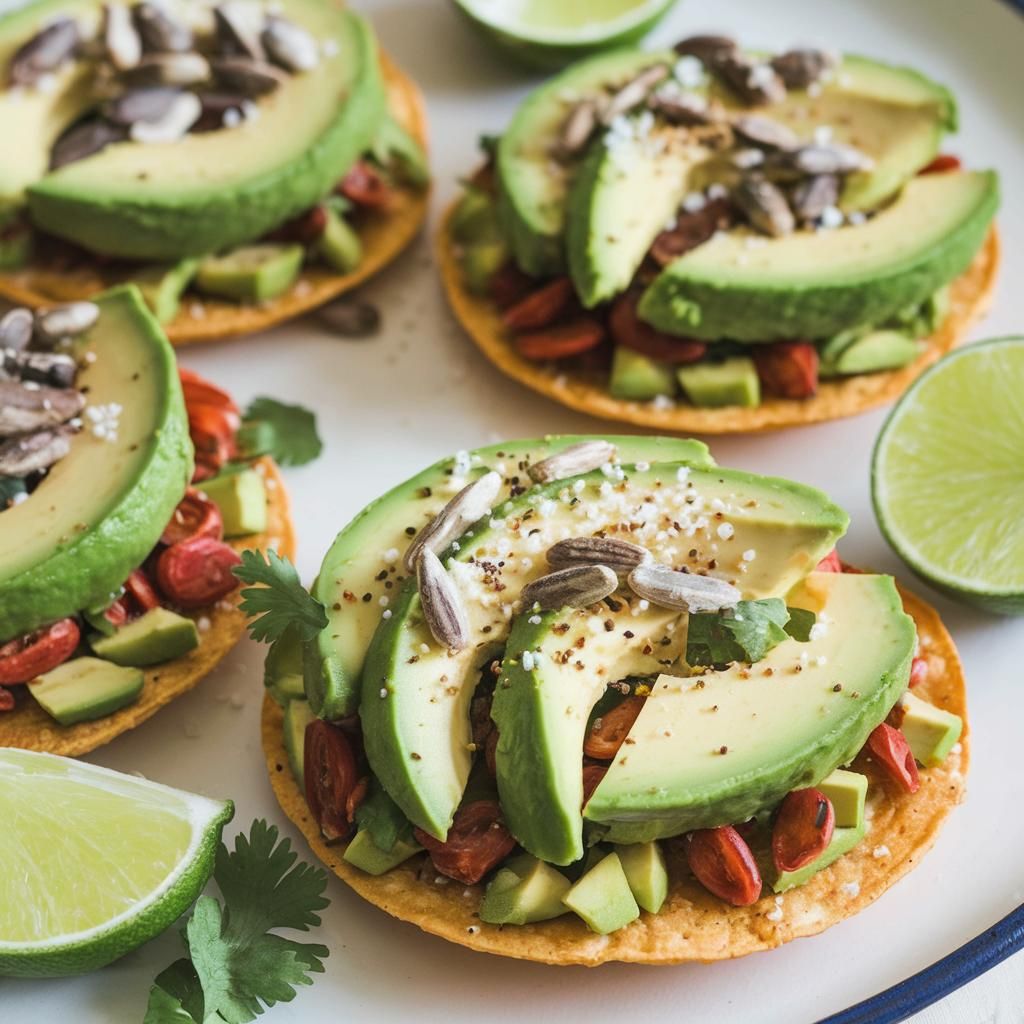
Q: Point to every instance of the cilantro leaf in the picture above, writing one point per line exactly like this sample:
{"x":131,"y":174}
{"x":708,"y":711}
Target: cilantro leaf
{"x":382,"y":818}
{"x":281,"y":602}
{"x":239,"y":966}
{"x":799,"y":625}
{"x":746,"y":634}
{"x":286,"y":432}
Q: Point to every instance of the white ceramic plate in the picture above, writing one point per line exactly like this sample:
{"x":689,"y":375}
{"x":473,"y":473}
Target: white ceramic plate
{"x":394,"y":404}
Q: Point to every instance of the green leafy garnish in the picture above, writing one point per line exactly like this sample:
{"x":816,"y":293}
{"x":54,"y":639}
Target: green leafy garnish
{"x":382,"y":818}
{"x":746,"y":634}
{"x":286,"y":432}
{"x":237,"y":965}
{"x":281,"y":601}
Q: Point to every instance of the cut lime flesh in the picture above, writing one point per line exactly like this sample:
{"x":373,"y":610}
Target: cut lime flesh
{"x":553,"y":33}
{"x":94,"y":862}
{"x":948,"y":475}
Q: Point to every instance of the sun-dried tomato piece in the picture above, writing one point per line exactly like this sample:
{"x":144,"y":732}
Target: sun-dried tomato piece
{"x":830,"y":563}
{"x":592,"y":776}
{"x":605,"y":737}
{"x":560,"y":342}
{"x":723,"y":864}
{"x":138,"y":588}
{"x":942,"y":164}
{"x":477,"y":842}
{"x":628,"y":330}
{"x":330,"y":778}
{"x":540,"y":308}
{"x":199,"y":390}
{"x":788,"y":369}
{"x":365,"y":186}
{"x":28,"y":656}
{"x":889,"y":747}
{"x":195,"y":516}
{"x":304,"y":229}
{"x":803,"y":829}
{"x":196,"y":572}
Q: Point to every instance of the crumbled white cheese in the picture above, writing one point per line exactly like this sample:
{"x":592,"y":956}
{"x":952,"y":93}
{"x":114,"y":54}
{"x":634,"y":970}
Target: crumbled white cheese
{"x":726,"y":530}
{"x":823,"y":135}
{"x":749,"y":555}
{"x":851,"y":889}
{"x":880,"y":851}
{"x":689,"y":72}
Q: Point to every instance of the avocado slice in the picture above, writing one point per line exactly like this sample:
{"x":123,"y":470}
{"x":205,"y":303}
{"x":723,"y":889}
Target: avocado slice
{"x":162,"y":286}
{"x":339,"y":246}
{"x":242,"y":499}
{"x":159,"y":635}
{"x":815,"y":284}
{"x":930,"y":731}
{"x":253,"y":273}
{"x":297,"y":715}
{"x":532,"y":200}
{"x":638,"y":378}
{"x":843,"y":841}
{"x":848,"y":792}
{"x":210,"y":190}
{"x":625,"y":190}
{"x":688,"y":769}
{"x":347,"y":585}
{"x":481,"y":262}
{"x":644,"y":865}
{"x":362,"y":852}
{"x":101,"y":509}
{"x":394,"y":147}
{"x":86,"y":688}
{"x":875,"y":351}
{"x":282,"y":670}
{"x":415,"y":696}
{"x":523,"y":891}
{"x":603,"y":898}
{"x":733,"y":381}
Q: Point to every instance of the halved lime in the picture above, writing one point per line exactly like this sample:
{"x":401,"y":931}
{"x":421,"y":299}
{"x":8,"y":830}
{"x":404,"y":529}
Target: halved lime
{"x":948,"y":475}
{"x":553,"y":33}
{"x":94,"y":863}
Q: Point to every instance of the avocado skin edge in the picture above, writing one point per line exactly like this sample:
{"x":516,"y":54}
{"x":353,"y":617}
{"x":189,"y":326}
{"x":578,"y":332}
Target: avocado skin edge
{"x":711,"y":310}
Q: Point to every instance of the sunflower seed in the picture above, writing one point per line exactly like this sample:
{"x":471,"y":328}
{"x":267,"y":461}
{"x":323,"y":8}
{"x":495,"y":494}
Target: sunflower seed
{"x":170,"y":69}
{"x":668,"y":588}
{"x":801,"y":68}
{"x":473,"y":502}
{"x":146,"y":104}
{"x":706,"y":48}
{"x":575,"y":587}
{"x":765,"y":206}
{"x":22,"y":456}
{"x":84,"y":140}
{"x":618,"y":555}
{"x":577,"y":128}
{"x":442,"y":607}
{"x":44,"y":52}
{"x":835,"y":158}
{"x":25,"y":410}
{"x":237,"y":26}
{"x":55,"y":369}
{"x":175,"y":123}
{"x":571,"y":461}
{"x":68,"y":320}
{"x":685,"y":108}
{"x":754,"y":83}
{"x":249,"y":77}
{"x":813,"y":196}
{"x":16,"y":328}
{"x":122,"y":44}
{"x":765,"y":132}
{"x":350,"y":319}
{"x":290,"y":45}
{"x":161,"y":32}
{"x":634,"y":92}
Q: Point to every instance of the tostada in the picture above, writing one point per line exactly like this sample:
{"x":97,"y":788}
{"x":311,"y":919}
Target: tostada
{"x":241,"y":162}
{"x":714,"y":240}
{"x":588,"y":699}
{"x":127,"y":488}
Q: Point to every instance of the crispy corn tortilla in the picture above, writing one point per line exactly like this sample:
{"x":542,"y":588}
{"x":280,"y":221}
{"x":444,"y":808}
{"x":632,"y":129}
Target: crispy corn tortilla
{"x":30,"y":727}
{"x":693,"y":925}
{"x":203,"y":318}
{"x":971,"y":296}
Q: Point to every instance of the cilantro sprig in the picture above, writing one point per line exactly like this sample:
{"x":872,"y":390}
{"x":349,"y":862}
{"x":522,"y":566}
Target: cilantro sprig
{"x":746,"y":634}
{"x":281,"y":601}
{"x":286,"y":432}
{"x":237,"y":966}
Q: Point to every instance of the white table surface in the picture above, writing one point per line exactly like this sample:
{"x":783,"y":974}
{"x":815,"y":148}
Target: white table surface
{"x":391,"y":405}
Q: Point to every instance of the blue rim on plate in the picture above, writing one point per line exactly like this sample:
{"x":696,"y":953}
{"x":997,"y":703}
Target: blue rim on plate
{"x":952,"y":972}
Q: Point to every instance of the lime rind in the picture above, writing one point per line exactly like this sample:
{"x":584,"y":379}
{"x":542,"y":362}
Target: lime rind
{"x":84,"y":949}
{"x":948,"y":477}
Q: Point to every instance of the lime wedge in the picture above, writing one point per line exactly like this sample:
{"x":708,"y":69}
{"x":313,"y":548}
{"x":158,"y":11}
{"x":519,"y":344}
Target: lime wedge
{"x":948,"y":475}
{"x":93,"y":863}
{"x":553,"y":33}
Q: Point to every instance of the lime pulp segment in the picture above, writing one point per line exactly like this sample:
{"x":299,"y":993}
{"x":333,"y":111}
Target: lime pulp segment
{"x":563,"y":21}
{"x":948,"y":475}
